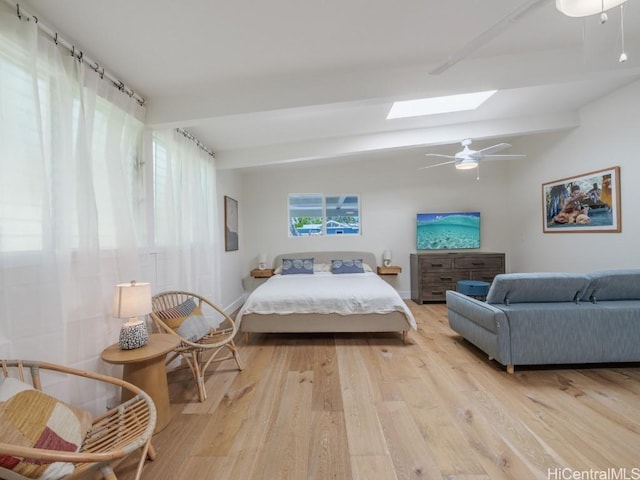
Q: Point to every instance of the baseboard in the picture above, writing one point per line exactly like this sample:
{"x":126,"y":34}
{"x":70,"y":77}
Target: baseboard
{"x":232,"y":308}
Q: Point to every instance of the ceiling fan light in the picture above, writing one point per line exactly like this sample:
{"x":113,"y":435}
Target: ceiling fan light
{"x":584,"y":8}
{"x":466,"y":164}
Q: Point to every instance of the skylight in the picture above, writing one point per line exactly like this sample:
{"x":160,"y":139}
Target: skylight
{"x":434,"y":105}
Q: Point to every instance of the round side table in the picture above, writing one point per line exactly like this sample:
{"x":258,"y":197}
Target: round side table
{"x":144,"y":367}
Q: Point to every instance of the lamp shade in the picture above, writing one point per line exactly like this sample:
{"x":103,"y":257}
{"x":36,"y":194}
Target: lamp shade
{"x":584,"y":8}
{"x":131,"y":299}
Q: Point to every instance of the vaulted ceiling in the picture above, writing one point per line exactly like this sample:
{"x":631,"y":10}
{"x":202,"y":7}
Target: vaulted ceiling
{"x":282,"y":81}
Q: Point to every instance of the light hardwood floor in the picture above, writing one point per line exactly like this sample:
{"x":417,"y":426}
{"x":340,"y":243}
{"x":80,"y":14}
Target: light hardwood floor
{"x":368,"y":407}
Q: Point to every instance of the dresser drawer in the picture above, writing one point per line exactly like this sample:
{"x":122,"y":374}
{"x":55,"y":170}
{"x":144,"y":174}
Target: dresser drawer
{"x":437,"y":293}
{"x":488,"y":262}
{"x":444,"y":277}
{"x":436,"y":263}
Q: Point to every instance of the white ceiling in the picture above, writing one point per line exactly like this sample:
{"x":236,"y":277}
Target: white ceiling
{"x":281,"y":81}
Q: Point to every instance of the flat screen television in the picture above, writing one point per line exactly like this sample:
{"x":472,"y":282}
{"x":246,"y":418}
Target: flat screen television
{"x":448,"y":231}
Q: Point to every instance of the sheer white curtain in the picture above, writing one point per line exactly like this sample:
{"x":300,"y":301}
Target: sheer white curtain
{"x":70,"y":183}
{"x":186,"y":218}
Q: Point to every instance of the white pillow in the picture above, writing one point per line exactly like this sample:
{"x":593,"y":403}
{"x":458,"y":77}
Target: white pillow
{"x":195,"y":327}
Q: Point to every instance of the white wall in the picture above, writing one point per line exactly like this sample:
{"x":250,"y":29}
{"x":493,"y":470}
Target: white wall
{"x":509,"y":196}
{"x":608,"y":136}
{"x":392,"y":191}
{"x":232,"y":264}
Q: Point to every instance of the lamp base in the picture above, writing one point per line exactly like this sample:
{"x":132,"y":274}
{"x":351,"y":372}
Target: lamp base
{"x":386,"y":262}
{"x":133,"y":335}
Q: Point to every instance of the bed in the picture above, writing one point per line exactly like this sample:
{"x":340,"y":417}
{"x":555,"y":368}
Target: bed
{"x":325,"y":301}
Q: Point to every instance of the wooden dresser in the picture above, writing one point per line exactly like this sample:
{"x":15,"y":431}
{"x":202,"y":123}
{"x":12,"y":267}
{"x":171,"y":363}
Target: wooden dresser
{"x":432,"y":274}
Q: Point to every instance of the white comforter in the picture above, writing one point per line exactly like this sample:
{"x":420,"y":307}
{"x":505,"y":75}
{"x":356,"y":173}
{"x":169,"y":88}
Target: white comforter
{"x":325,"y":292}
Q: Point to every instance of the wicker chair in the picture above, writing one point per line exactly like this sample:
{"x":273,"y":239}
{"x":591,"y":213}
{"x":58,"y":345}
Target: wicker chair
{"x":113,"y":435}
{"x":199,"y":353}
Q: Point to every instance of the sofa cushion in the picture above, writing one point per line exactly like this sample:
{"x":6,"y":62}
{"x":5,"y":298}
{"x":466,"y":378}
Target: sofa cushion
{"x":559,"y":333}
{"x":195,"y":327}
{"x":174,"y":316}
{"x":613,"y":285}
{"x":509,"y":288}
{"x":623,"y":306}
{"x":31,"y":418}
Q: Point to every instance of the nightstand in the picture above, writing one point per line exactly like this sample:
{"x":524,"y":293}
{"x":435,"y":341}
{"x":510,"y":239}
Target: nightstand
{"x":390,"y":270}
{"x":266,"y":273}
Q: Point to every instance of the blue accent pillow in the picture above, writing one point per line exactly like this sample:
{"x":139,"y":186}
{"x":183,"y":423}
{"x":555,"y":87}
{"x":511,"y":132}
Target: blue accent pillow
{"x":347,"y":266}
{"x":297,"y":265}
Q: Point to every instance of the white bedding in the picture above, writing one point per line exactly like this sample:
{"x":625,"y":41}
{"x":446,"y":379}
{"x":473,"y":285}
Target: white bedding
{"x":325,"y":292}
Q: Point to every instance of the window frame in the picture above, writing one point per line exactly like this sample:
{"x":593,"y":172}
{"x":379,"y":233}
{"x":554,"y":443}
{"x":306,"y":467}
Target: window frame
{"x":325,"y":218}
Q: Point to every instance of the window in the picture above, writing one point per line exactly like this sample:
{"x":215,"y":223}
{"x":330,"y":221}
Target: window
{"x":318,"y":214}
{"x":21,"y":208}
{"x":161,"y":190}
{"x":59,"y":145}
{"x":305,"y":214}
{"x":184,"y":191}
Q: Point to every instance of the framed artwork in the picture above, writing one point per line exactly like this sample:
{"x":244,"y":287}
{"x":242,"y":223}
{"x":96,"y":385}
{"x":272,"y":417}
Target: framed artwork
{"x":230,"y":224}
{"x":585,"y":203}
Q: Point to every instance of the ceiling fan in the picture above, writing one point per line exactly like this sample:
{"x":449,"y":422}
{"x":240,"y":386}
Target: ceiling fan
{"x":467,"y":159}
{"x":571,"y":8}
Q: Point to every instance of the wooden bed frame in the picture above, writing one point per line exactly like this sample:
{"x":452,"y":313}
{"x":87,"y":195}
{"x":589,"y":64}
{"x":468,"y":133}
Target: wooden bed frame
{"x":325,"y":323}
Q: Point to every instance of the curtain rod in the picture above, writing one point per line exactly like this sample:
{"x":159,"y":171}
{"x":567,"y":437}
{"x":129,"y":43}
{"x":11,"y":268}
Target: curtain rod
{"x":78,"y":54}
{"x":200,"y":145}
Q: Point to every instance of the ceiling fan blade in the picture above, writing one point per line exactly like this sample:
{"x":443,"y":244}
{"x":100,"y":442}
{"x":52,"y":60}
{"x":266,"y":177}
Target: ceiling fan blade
{"x":503,"y":157}
{"x":437,"y":164}
{"x":493,"y":149}
{"x":438,"y":155}
{"x":488,"y":35}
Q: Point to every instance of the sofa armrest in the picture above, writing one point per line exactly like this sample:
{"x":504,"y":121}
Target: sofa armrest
{"x":482,"y":324}
{"x":480,"y":312}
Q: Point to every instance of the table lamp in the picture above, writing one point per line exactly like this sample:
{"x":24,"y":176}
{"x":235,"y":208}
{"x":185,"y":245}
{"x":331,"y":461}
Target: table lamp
{"x":262,"y":261}
{"x":386,"y":258}
{"x":131,"y":300}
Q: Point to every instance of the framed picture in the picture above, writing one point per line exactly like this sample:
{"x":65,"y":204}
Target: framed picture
{"x":230,"y":224}
{"x":586,"y":203}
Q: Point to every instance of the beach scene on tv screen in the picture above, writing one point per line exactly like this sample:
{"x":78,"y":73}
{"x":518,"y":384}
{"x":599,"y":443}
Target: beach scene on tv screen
{"x":447,"y":231}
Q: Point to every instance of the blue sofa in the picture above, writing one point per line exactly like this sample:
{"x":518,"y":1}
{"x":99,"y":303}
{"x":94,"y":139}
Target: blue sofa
{"x":553,"y":318}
